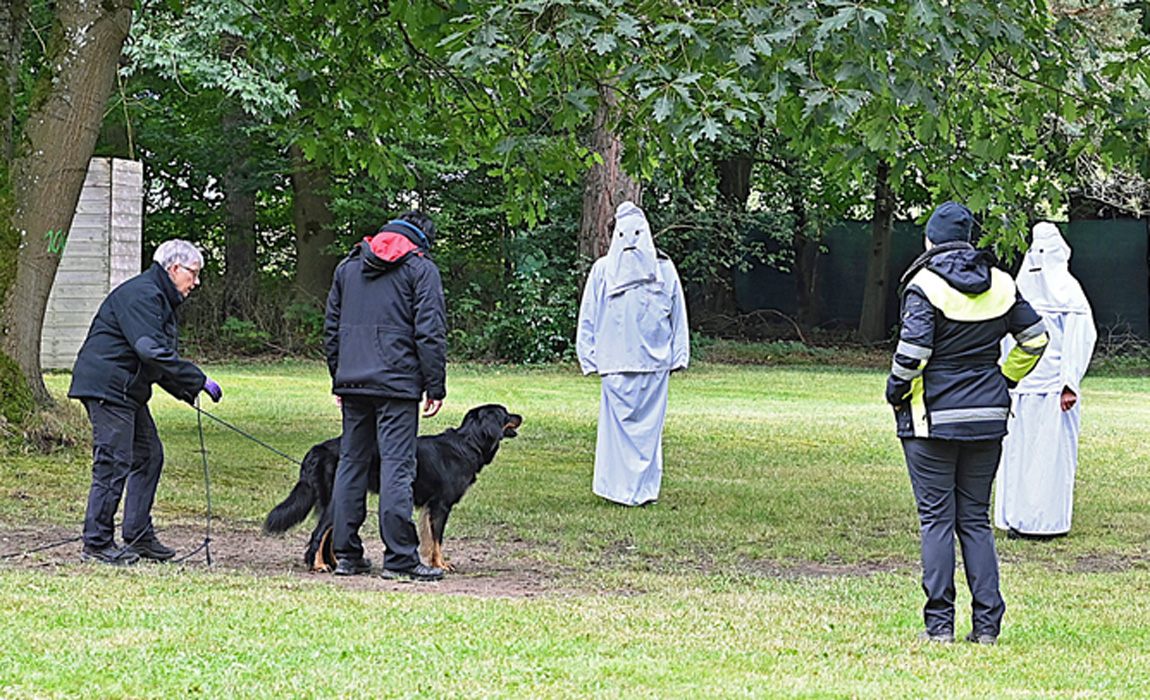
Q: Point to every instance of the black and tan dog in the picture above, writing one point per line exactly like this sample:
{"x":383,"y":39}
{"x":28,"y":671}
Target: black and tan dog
{"x":446,"y":466}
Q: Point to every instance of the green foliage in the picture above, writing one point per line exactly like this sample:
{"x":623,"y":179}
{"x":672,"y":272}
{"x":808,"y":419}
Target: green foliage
{"x":209,"y":45}
{"x":242,"y":337}
{"x":478,"y":113}
{"x":536,"y":322}
{"x":306,"y":322}
{"x":523,"y":307}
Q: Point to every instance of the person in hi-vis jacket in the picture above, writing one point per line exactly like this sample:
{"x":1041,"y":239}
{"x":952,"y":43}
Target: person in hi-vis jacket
{"x":951,"y":401}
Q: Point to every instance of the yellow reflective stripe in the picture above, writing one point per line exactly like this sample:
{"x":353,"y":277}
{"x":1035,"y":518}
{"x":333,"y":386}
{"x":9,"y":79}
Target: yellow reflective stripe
{"x":1022,"y":358}
{"x":957,"y":306}
{"x":918,"y":409}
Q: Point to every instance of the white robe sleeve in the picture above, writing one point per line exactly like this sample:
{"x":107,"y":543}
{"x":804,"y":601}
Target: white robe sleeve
{"x":680,"y":331}
{"x":588,"y":319}
{"x":1078,"y":340}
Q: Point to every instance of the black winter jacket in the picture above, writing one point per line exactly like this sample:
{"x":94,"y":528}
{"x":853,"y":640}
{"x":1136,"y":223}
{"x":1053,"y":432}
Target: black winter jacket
{"x":385,"y":332}
{"x":132,"y":343}
{"x":945,"y":380}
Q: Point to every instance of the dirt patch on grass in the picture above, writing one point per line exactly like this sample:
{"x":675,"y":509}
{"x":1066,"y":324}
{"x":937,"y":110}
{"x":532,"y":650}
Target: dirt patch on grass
{"x":481,"y":568}
{"x":505,"y":568}
{"x":1108,"y":563}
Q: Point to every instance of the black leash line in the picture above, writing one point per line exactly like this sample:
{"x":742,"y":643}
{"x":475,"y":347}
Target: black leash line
{"x":26,"y":552}
{"x":254,"y":439}
{"x":207,"y":543}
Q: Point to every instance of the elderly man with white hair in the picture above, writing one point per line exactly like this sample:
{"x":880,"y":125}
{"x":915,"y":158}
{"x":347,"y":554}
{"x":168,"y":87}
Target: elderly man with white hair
{"x":131,"y":345}
{"x":1035,"y":494}
{"x":633,"y":332}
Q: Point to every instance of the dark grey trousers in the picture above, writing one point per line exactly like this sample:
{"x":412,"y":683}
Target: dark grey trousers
{"x":127,"y":459}
{"x":388,"y":426}
{"x":952,"y":482}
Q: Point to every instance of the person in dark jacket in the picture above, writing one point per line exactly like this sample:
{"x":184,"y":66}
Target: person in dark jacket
{"x":951,"y":401}
{"x":385,"y":336}
{"x":130,"y":346}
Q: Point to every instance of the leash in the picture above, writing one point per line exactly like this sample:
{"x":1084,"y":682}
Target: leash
{"x":26,"y":552}
{"x":249,"y":436}
{"x":200,"y":413}
{"x":206,"y":544}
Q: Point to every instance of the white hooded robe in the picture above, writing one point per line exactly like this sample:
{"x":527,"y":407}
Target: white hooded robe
{"x":1035,"y":490}
{"x":632,"y":331}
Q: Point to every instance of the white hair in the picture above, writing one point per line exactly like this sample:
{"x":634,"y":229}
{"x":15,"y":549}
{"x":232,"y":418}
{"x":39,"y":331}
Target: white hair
{"x":178,"y":252}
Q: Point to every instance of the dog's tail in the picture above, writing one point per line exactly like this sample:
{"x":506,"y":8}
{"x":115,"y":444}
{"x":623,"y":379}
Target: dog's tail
{"x":295,"y":508}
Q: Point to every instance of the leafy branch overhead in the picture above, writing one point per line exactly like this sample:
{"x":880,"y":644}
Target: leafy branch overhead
{"x":983,"y":101}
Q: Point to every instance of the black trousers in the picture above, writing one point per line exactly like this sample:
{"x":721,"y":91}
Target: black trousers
{"x":952,"y":482}
{"x":127,"y":458}
{"x":388,"y":426}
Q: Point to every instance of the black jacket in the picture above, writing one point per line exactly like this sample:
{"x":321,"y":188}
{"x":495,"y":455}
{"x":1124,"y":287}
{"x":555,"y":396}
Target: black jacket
{"x":945,"y":379}
{"x":131,"y":345}
{"x":385,"y":332}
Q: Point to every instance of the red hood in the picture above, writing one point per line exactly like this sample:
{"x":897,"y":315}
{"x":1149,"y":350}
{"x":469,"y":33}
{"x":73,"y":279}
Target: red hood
{"x":390,"y":246}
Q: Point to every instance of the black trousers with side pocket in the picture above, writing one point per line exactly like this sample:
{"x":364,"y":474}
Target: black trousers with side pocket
{"x":952,"y":484}
{"x":389,"y":426}
{"x":127,"y":458}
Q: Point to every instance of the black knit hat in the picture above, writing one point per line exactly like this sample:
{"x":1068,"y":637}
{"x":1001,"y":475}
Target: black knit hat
{"x":950,"y":222}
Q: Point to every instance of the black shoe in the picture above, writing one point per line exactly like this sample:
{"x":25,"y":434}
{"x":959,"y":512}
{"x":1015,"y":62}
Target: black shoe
{"x":152,"y":548}
{"x":937,"y":638}
{"x":109,"y":554}
{"x":419,"y":572}
{"x":982,"y":638}
{"x":352,"y":567}
{"x":1013,"y":534}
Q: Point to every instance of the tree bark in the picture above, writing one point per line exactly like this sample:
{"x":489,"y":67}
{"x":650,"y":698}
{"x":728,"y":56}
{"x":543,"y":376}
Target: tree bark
{"x":314,"y":228}
{"x":13,"y":17}
{"x":239,"y":200}
{"x":239,"y":220}
{"x":872,"y":322}
{"x":606,"y":186}
{"x":50,"y":160}
{"x":806,"y":251}
{"x":734,"y":190}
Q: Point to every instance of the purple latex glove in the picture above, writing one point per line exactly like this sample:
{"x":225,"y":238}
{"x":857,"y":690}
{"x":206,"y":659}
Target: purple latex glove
{"x":213,"y":390}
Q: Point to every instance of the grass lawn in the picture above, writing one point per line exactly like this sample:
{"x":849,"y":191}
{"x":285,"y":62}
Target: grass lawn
{"x":781,"y":560}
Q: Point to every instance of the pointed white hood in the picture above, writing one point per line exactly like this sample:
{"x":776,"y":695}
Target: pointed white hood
{"x":1045,"y":280}
{"x":631,"y":259}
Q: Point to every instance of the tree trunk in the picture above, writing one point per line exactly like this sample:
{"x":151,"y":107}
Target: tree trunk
{"x":734,"y":190}
{"x":239,"y":200}
{"x":606,"y":186}
{"x":239,"y":220}
{"x":806,"y":251}
{"x":50,"y":160}
{"x":13,"y":17}
{"x":314,"y":228}
{"x":872,"y":323}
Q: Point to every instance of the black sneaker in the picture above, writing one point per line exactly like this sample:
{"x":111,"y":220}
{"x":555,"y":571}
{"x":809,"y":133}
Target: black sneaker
{"x":152,"y":548}
{"x":419,"y":572}
{"x":353,"y":567}
{"x":981,"y":638}
{"x":109,"y":554}
{"x":936,"y":637}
